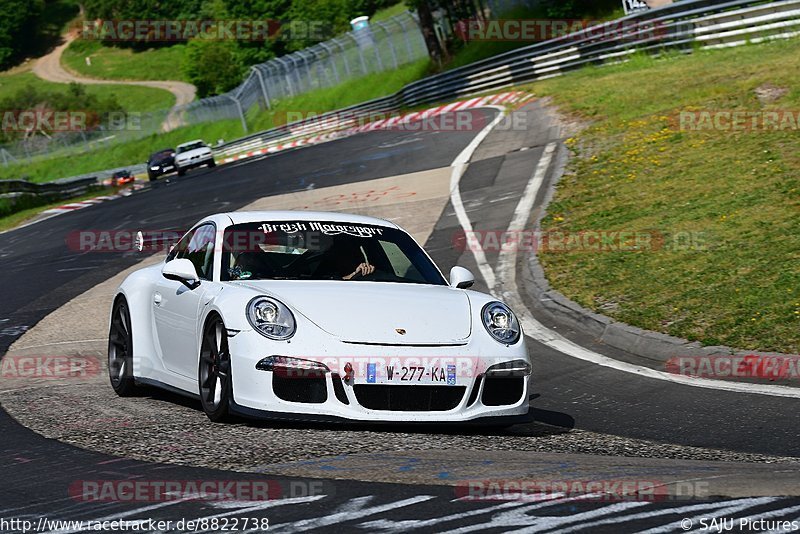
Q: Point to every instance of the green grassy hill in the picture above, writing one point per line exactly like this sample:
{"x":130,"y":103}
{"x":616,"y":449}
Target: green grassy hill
{"x":140,"y":99}
{"x":737,"y":192}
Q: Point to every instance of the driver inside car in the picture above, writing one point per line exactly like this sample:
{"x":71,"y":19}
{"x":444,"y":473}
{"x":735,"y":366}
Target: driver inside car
{"x":363,"y":269}
{"x":352,"y":261}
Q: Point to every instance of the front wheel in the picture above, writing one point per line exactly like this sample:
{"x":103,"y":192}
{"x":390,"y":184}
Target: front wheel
{"x":181,"y":172}
{"x":120,"y":350}
{"x":214,"y":374}
{"x":212,"y":164}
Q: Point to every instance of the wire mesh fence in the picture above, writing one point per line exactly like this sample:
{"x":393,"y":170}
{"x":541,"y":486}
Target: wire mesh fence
{"x":378,"y":47}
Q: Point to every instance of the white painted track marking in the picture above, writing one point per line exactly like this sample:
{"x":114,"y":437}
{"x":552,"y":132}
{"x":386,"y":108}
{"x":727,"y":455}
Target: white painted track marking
{"x":510,"y":292}
{"x":353,"y":509}
{"x":459,"y":165}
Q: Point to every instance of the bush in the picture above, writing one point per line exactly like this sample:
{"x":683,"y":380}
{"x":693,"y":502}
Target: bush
{"x":213,"y":66}
{"x":75,"y":99}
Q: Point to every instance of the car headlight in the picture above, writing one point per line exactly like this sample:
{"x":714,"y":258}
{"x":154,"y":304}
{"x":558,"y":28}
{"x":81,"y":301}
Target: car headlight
{"x":154,"y":168}
{"x":271,"y":318}
{"x":501,"y":323}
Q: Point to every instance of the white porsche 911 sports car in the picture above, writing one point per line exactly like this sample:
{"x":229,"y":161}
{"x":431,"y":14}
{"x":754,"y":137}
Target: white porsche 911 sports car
{"x":317,"y":316}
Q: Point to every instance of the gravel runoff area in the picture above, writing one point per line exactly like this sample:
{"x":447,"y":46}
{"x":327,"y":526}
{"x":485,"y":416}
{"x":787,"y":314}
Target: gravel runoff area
{"x":161,"y":427}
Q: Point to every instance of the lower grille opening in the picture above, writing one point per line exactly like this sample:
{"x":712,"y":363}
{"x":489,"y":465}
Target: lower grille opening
{"x":503,"y":390}
{"x":473,"y":395}
{"x":338,"y":389}
{"x":409,"y":398}
{"x":312,"y":390}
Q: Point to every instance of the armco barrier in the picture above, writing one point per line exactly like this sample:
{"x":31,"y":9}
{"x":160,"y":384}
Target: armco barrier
{"x":682,"y":26}
{"x":64,"y":187}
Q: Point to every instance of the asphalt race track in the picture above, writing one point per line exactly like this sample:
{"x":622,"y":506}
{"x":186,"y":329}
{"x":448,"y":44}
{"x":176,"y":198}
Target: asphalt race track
{"x":607,"y":411}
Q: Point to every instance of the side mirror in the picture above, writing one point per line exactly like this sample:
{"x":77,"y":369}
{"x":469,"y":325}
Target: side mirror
{"x":461,"y":278}
{"x":181,"y":270}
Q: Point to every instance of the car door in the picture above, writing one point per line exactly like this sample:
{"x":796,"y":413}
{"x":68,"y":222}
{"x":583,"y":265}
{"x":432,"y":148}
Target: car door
{"x":176,"y":308}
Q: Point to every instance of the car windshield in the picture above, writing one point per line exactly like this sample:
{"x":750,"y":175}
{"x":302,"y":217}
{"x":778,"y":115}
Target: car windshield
{"x":161,"y":156}
{"x":318,"y":250}
{"x":190,"y":146}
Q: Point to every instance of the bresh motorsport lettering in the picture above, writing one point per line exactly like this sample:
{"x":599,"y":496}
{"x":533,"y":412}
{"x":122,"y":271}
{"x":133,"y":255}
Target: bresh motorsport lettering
{"x":325,"y":228}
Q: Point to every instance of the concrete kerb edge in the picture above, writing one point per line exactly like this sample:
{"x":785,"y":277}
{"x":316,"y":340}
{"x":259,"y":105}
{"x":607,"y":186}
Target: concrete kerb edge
{"x":646,"y":344}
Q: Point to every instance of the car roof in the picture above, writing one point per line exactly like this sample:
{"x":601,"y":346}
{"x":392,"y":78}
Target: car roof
{"x":240,"y":217}
{"x":192,"y":142}
{"x":161,"y":154}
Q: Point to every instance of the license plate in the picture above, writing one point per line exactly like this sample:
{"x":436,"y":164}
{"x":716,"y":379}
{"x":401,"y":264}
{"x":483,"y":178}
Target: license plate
{"x":444,"y":375}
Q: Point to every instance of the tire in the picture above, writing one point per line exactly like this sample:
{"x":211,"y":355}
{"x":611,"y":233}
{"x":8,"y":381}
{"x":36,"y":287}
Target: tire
{"x":181,"y":172}
{"x":214,"y":379}
{"x":120,"y":350}
{"x":212,"y":164}
{"x":152,"y":177}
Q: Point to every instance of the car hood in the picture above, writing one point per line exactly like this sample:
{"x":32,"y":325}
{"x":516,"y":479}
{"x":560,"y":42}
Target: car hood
{"x":374,"y":312}
{"x":192,"y":153}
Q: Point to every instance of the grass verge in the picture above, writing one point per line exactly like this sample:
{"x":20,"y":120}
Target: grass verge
{"x":114,"y":63}
{"x":733,"y":196}
{"x":131,"y":98}
{"x":8,"y":222}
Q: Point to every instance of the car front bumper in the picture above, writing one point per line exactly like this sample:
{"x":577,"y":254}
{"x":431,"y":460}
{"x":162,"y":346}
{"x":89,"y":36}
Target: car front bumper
{"x":476,"y":394}
{"x":162,"y":169}
{"x":194,"y":162}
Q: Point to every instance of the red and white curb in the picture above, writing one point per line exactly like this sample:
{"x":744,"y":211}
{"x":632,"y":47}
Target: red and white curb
{"x":508,"y":98}
{"x":73,"y":206}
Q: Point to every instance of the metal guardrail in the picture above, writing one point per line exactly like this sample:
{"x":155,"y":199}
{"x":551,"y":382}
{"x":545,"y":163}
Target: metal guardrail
{"x":683,"y":26}
{"x":14,"y":190}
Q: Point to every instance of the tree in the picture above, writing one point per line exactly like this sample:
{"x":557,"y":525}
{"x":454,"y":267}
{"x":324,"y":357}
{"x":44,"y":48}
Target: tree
{"x":19,"y":20}
{"x":213,"y":66}
{"x":426,"y":22}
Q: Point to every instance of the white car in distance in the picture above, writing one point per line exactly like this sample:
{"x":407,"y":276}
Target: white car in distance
{"x":193,"y":154}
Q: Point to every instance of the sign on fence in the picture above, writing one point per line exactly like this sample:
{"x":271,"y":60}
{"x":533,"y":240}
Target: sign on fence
{"x":636,"y":6}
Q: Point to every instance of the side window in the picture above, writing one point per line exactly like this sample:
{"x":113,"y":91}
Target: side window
{"x":198,"y":247}
{"x":400,"y":263}
{"x":180,"y":246}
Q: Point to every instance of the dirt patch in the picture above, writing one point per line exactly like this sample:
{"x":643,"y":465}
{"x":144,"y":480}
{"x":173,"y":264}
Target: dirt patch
{"x":769,"y":93}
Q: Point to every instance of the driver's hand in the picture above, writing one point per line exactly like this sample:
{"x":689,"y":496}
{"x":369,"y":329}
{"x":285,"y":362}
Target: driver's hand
{"x":362,"y":270}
